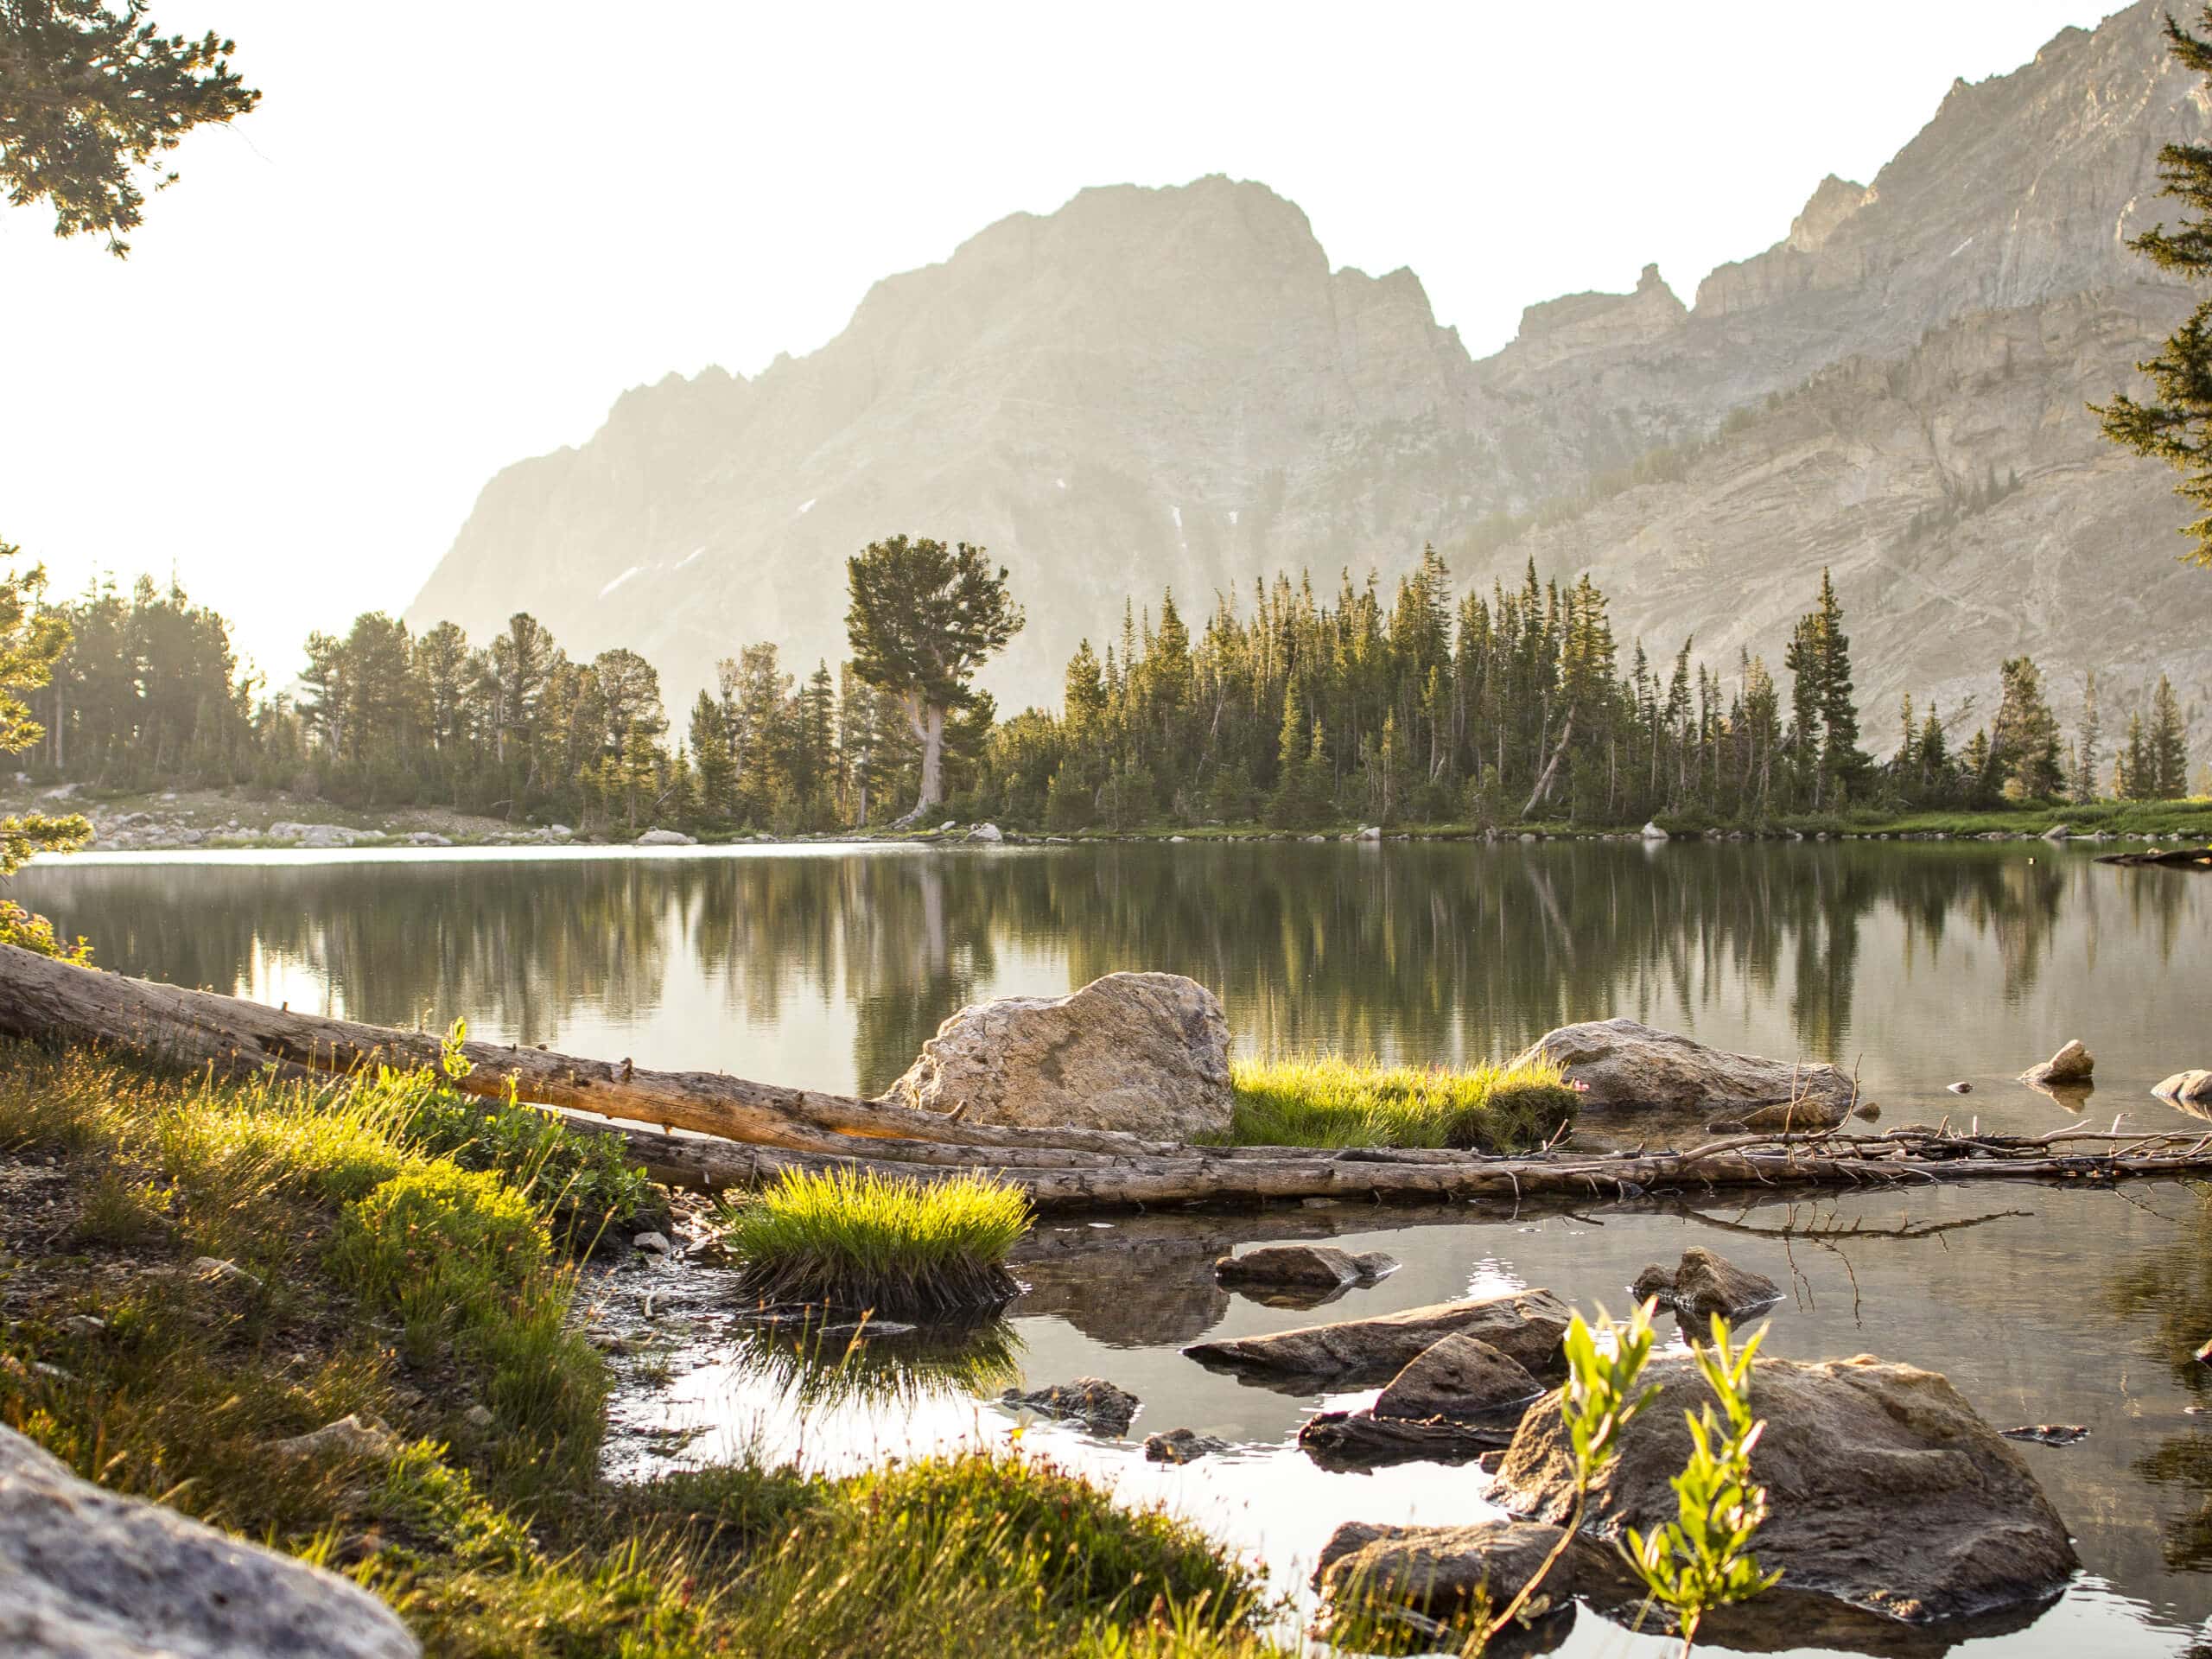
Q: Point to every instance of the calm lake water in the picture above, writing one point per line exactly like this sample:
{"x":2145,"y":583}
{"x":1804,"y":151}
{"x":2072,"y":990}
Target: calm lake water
{"x":1919,"y":963}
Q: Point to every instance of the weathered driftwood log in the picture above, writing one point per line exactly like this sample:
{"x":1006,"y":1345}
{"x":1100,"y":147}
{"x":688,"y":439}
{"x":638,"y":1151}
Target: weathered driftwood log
{"x":739,"y":1132}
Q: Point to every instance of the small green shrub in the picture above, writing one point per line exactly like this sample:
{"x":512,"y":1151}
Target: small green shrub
{"x":897,"y":1245}
{"x":1328,"y":1101}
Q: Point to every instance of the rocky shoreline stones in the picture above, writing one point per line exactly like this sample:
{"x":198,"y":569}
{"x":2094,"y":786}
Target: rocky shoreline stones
{"x":1144,"y":1053}
{"x":1622,"y":1066}
{"x":1455,"y":1400}
{"x":85,"y":1571}
{"x":1525,"y":1325}
{"x":1098,"y":1405}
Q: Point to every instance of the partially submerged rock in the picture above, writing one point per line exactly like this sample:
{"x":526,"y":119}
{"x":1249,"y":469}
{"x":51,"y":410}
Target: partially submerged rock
{"x":1181,"y":1446}
{"x":1301,"y":1267}
{"x":1623,"y":1065}
{"x":2070,"y":1068}
{"x":1144,"y":1053}
{"x":1887,"y":1490}
{"x":1705,"y":1283}
{"x":2191,"y":1091}
{"x":1526,"y":1325}
{"x":1456,"y":1399}
{"x":1460,"y":1376}
{"x":1438,"y":1570}
{"x":87,"y":1572}
{"x":1091,"y":1401}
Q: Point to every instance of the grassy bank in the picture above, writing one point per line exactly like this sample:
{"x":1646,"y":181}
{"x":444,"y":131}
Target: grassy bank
{"x":192,"y":1274}
{"x":1327,"y":1101}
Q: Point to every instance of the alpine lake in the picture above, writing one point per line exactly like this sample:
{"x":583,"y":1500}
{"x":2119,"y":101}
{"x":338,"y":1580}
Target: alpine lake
{"x":1919,"y":964}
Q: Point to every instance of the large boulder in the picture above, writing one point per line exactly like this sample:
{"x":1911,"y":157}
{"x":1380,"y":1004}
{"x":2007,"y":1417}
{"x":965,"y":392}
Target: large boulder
{"x":1144,"y":1053}
{"x":1622,"y":1066}
{"x":1525,"y":1325}
{"x":1887,"y":1490}
{"x":86,"y":1573}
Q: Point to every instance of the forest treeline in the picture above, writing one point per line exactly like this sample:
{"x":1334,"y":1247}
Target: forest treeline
{"x":1295,"y":708}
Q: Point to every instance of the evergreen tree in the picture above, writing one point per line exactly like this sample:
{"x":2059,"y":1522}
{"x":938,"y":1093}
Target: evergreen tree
{"x":89,"y":93}
{"x":2176,"y":426}
{"x":2167,"y":751}
{"x":2089,"y":746}
{"x":2023,"y":742}
{"x":923,"y":619}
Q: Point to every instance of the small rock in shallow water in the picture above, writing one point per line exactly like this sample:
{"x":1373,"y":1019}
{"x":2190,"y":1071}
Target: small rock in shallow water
{"x":2048,"y":1433}
{"x":653,"y":1242}
{"x":1961,"y":1088}
{"x":1181,"y":1446}
{"x":1091,"y":1401}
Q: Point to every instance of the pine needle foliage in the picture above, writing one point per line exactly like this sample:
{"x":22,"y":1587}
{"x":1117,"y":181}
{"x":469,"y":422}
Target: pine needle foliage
{"x":896,"y":1246}
{"x":2176,"y":424}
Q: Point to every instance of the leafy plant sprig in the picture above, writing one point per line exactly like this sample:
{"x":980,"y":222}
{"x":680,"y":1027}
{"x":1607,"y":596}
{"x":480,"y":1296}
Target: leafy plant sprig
{"x":1597,"y":1401}
{"x":1702,"y":1559}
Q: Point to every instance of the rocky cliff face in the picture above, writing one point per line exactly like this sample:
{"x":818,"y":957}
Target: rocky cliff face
{"x":1157,"y":387}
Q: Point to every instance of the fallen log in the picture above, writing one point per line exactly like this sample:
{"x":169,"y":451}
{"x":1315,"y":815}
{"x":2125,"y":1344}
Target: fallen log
{"x":2181,"y":858}
{"x":717,"y":1131}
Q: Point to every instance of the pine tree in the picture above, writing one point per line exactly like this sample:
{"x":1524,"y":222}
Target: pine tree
{"x":2176,"y":426}
{"x":2023,"y":742}
{"x":2132,"y":777}
{"x":2168,"y":748}
{"x":2087,"y":746}
{"x":716,"y":772}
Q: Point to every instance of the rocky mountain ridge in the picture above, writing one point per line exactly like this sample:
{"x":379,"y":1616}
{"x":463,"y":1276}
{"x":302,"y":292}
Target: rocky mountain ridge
{"x":1155,"y":387}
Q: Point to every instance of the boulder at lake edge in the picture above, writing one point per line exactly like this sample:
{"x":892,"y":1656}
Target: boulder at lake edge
{"x":1526,"y":1325}
{"x":1624,"y":1065}
{"x":84,"y":1571}
{"x":1144,"y":1053}
{"x":1887,"y":1492}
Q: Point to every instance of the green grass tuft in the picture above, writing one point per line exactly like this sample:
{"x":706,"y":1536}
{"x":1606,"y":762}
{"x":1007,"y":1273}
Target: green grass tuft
{"x":1328,"y":1101}
{"x":898,"y":1246}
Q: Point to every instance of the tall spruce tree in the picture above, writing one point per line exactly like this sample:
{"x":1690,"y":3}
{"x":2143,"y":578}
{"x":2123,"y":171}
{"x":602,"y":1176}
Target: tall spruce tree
{"x":2168,"y":746}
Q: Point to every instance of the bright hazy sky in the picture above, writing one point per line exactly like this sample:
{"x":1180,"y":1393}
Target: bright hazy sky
{"x":454,"y":231}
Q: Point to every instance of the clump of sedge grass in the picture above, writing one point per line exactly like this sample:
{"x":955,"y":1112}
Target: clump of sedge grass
{"x":894,"y":1245}
{"x":1328,"y":1101}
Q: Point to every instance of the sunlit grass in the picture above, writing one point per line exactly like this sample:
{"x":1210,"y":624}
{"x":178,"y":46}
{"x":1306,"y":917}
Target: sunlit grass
{"x":343,"y":1231}
{"x":898,"y":1246}
{"x":1327,"y":1101}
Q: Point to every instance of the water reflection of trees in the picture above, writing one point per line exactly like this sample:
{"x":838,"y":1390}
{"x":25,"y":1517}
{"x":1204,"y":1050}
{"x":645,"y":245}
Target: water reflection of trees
{"x":1444,"y":951}
{"x":2170,"y":1290}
